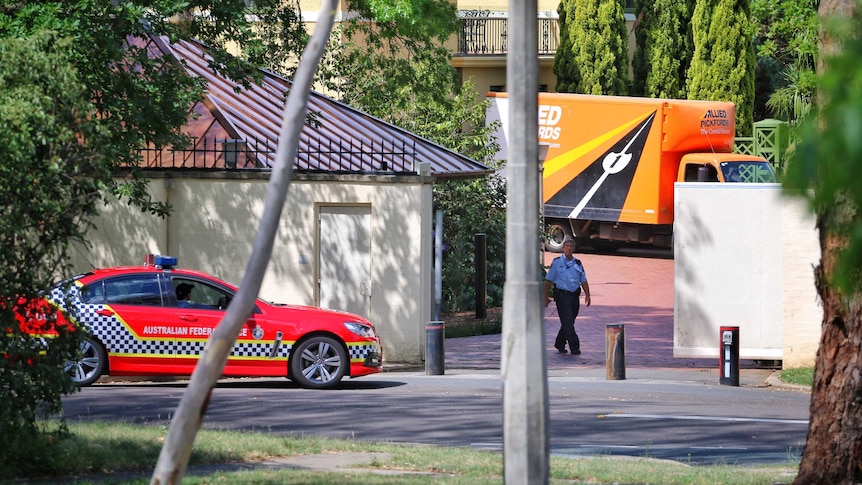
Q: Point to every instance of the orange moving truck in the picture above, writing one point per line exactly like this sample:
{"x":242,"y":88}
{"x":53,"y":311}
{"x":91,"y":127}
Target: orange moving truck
{"x":612,"y":161}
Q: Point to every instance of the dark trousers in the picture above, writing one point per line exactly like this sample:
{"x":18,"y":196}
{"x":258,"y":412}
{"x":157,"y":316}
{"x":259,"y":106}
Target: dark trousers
{"x":568,"y":305}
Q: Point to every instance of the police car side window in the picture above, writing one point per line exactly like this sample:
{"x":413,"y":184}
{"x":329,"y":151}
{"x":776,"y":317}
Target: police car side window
{"x":140,"y":289}
{"x":94,"y":293}
{"x":200,"y":294}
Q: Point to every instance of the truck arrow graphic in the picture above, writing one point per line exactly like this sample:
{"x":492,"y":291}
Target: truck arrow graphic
{"x":613,"y":163}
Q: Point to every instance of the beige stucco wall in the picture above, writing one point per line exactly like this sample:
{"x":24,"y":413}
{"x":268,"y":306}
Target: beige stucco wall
{"x":215,"y":219}
{"x":744,"y":256}
{"x":803,"y":313}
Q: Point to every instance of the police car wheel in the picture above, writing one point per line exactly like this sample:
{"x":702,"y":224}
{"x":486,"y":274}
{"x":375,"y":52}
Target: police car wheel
{"x":91,"y":365}
{"x":318,"y":363}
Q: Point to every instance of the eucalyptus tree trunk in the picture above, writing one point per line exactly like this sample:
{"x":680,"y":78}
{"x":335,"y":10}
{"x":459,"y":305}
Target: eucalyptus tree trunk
{"x":187,"y":420}
{"x":833,"y":450}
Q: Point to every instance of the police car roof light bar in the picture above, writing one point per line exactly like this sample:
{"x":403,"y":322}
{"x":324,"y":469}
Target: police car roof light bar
{"x":160,"y":261}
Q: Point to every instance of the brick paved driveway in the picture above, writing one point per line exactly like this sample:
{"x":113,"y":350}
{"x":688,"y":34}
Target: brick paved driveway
{"x":633,"y":287}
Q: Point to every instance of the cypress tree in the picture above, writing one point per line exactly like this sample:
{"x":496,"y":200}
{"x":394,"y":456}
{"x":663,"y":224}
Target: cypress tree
{"x":595,"y":58}
{"x":664,"y":48}
{"x":722,"y":68}
{"x":564,"y":65}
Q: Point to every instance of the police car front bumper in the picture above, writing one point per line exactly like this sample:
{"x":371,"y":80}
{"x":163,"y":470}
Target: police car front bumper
{"x":374,"y":359}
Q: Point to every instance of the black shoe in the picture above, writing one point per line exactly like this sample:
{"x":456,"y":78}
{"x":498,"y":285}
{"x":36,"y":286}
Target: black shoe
{"x":576,"y":352}
{"x":562,"y":351}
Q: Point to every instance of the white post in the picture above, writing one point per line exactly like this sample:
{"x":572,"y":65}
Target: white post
{"x":525,"y":393}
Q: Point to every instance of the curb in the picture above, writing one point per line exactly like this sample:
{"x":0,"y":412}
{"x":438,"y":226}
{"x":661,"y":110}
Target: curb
{"x":774,"y":380}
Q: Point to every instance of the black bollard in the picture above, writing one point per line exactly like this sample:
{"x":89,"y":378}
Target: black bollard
{"x":481,"y":261}
{"x":435,"y":334}
{"x":615,"y":352}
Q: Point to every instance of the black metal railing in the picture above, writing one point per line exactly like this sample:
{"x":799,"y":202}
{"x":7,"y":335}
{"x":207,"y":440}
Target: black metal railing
{"x":314,"y":156}
{"x":480,"y":35}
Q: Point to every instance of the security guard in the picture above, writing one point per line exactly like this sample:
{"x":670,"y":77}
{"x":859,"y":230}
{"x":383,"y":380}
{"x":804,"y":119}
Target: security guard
{"x":568,"y":276}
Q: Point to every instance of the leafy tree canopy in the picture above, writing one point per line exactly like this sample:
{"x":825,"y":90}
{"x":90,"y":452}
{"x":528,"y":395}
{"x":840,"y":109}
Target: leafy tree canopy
{"x":786,"y":30}
{"x":45,"y":179}
{"x":786,"y":44}
{"x":826,"y":164}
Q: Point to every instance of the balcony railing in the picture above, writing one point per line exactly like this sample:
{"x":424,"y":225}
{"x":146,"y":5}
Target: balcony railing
{"x":483,"y":36}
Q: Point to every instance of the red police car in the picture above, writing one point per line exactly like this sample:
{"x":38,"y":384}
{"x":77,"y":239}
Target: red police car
{"x":155,"y":319}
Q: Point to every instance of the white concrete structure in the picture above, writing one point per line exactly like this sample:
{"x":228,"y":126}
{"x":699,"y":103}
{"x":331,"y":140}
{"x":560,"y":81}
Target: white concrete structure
{"x":744,"y":255}
{"x":360,"y":243}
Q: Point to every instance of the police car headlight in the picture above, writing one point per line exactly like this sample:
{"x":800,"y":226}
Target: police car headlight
{"x":366,"y":331}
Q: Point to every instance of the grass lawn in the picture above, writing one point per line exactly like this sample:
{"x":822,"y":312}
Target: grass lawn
{"x":126,"y":453}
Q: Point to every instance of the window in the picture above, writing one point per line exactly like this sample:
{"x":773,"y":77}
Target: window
{"x":749,"y":172}
{"x":691,"y":173}
{"x":141,"y":289}
{"x":193,"y":293}
{"x":94,"y":293}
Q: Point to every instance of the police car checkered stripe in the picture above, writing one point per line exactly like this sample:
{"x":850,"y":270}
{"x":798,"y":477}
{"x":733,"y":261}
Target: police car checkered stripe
{"x":359,"y":352}
{"x":118,"y":339}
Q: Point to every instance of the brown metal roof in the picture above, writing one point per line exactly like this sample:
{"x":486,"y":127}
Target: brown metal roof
{"x":339,"y":139}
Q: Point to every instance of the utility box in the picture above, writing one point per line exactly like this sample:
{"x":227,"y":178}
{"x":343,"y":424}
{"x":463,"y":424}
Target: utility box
{"x":728,"y":360}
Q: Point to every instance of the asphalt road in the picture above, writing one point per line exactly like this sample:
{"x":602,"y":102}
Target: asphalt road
{"x":665,"y":408}
{"x":680,"y":417}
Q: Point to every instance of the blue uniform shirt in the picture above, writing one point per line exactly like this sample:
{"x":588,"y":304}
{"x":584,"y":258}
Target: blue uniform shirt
{"x":566,"y":275}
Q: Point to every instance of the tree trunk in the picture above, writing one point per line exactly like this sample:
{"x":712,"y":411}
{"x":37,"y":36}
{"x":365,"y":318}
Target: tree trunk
{"x":174,"y":457}
{"x":833,"y":452}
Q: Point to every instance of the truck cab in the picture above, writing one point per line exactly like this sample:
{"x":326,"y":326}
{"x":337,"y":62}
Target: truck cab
{"x":724,"y":167}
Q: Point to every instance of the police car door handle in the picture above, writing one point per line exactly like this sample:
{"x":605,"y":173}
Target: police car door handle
{"x":105,"y":312}
{"x":189,"y":318}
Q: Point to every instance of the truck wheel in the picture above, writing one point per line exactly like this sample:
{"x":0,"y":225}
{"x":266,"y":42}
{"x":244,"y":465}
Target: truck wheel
{"x":557,"y":233}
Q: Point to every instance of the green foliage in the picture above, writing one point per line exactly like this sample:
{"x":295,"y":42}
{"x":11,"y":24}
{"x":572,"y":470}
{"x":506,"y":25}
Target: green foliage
{"x":785,"y":36}
{"x":794,"y":99}
{"x":390,"y":74}
{"x":280,"y":24}
{"x":458,"y":326}
{"x":786,"y":30}
{"x":593,"y":55}
{"x":471,"y":207}
{"x":81,"y":95}
{"x":826,"y":164}
{"x":137,"y":99}
{"x":768,"y":75}
{"x":411,"y":19}
{"x":661,"y":61}
{"x":49,"y":179}
{"x":722,"y":67}
{"x":395,"y":69}
{"x":801,"y":375}
{"x":565,"y":67}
